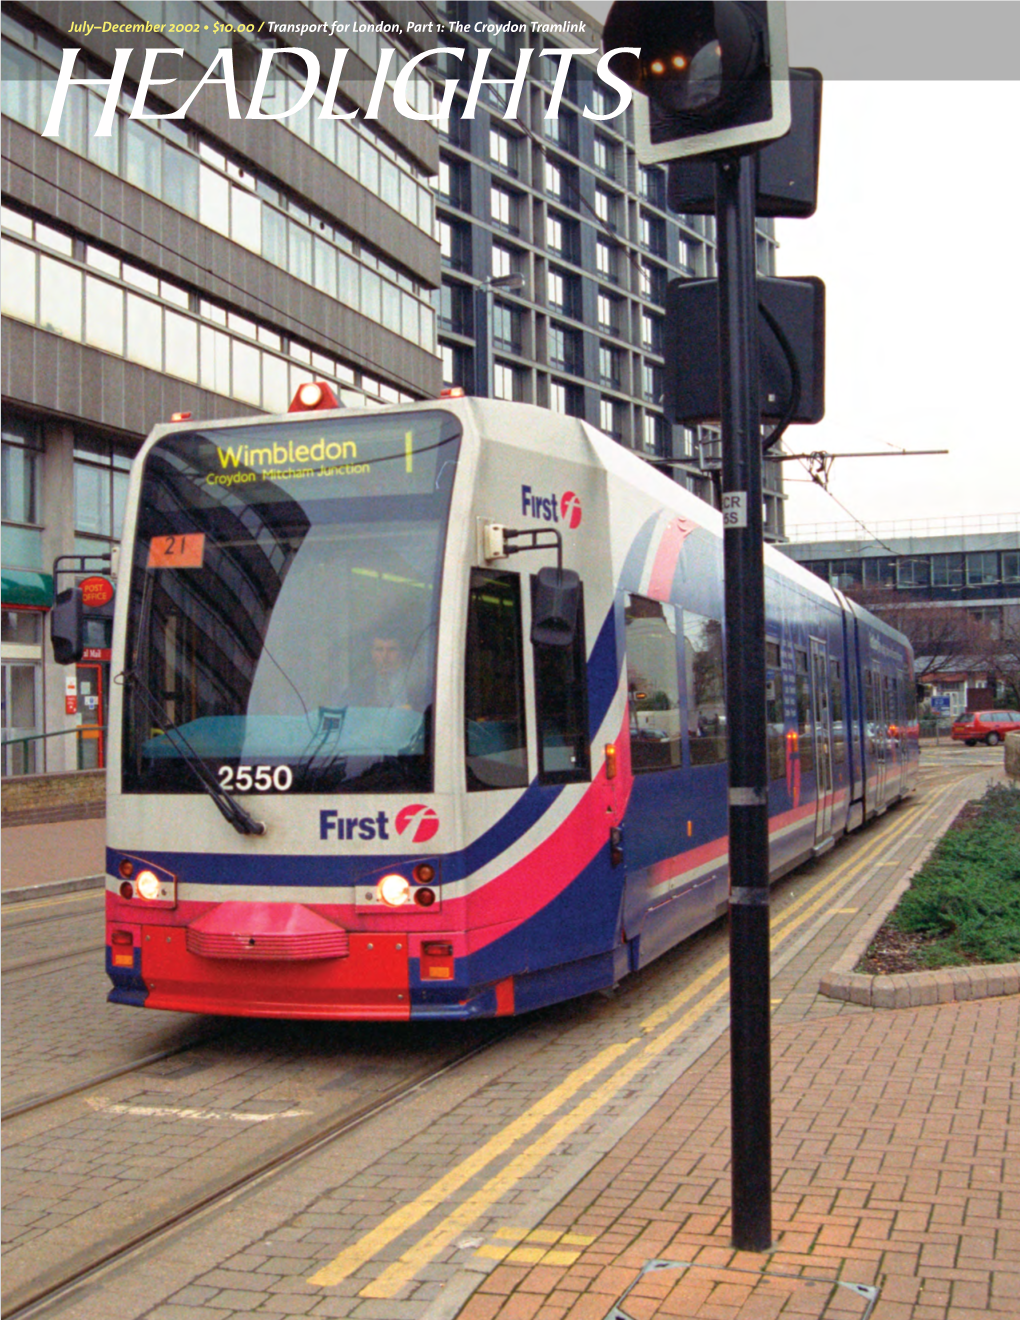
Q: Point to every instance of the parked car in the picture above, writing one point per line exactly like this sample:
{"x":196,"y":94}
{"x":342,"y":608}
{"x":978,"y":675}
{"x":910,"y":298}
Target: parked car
{"x":987,"y":726}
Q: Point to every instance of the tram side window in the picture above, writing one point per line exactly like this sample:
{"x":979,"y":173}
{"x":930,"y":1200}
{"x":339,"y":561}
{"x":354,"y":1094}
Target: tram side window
{"x":805,"y":723}
{"x":561,"y":699}
{"x":870,"y":714}
{"x":838,"y":712}
{"x":774,"y":714}
{"x":653,"y":684}
{"x":706,"y":689}
{"x":494,"y":727}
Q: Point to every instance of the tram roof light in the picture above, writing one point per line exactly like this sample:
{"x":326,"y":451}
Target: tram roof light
{"x":712,"y":77}
{"x":313,"y":396}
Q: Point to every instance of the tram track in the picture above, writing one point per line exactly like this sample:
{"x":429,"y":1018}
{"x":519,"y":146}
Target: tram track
{"x":29,"y":964}
{"x":79,"y":1271}
{"x":112,"y":1074}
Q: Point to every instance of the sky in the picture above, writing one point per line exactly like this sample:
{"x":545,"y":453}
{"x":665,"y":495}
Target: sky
{"x":917,"y":238}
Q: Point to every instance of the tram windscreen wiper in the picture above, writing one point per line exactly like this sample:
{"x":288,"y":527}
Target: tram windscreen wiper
{"x":231,"y":810}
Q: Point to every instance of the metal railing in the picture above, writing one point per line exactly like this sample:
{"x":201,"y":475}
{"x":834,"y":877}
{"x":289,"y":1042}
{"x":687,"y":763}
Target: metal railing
{"x":82,"y":731}
{"x":973,"y":524}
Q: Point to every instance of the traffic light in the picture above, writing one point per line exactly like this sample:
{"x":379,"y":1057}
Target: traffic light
{"x":791,"y":350}
{"x":787,"y":179}
{"x":713,"y":77}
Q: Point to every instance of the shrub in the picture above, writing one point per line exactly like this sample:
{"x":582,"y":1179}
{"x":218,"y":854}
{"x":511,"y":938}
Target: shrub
{"x":967,"y":895}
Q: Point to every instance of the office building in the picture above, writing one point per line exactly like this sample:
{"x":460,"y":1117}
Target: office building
{"x":562,"y":204}
{"x":206,"y":265}
{"x":914,"y":572}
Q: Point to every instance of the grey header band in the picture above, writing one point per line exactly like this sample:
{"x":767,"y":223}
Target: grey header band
{"x":749,"y":898}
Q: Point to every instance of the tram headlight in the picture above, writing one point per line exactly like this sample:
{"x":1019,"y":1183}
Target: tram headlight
{"x":147,"y":884}
{"x":394,"y":890}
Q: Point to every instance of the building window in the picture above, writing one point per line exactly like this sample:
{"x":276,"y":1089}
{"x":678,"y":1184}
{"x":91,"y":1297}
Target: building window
{"x":506,"y":381}
{"x":989,"y":618}
{"x":606,"y":207}
{"x":506,"y":327}
{"x":504,"y":261}
{"x":503,"y":150}
{"x":947,"y":570}
{"x":101,"y":469}
{"x":606,"y":308}
{"x":652,"y":283}
{"x":20,"y":492}
{"x":914,"y":572}
{"x":455,"y":308}
{"x":553,"y":175}
{"x":454,"y":244}
{"x":652,"y":185}
{"x":566,"y":399}
{"x":563,"y":292}
{"x":651,"y":332}
{"x":504,"y":208}
{"x":609,"y":366}
{"x":607,"y":260}
{"x":562,"y":129}
{"x":651,"y":433}
{"x":456,"y":365}
{"x":879,"y":572}
{"x":608,"y":417}
{"x":454,"y":183}
{"x":982,"y":568}
{"x":604,"y":155}
{"x":561,"y":236}
{"x":652,"y":233}
{"x":564,"y":348}
{"x":1011,"y":565}
{"x":651,"y":381}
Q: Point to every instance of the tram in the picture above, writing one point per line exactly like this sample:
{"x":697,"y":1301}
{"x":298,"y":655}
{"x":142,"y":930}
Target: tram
{"x":419,"y":713}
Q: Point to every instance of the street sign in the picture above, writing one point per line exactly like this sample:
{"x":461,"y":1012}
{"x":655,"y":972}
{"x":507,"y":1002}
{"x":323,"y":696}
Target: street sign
{"x":96,"y":592}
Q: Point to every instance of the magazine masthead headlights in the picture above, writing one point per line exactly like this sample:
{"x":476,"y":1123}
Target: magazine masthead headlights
{"x":220,"y":73}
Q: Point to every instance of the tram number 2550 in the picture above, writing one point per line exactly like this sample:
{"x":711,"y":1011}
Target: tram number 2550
{"x":256,"y":778}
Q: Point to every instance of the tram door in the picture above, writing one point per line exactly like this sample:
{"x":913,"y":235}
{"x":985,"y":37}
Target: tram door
{"x":822,"y":729}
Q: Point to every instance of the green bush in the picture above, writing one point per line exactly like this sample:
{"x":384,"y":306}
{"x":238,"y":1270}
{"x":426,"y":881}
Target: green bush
{"x":966,"y":897}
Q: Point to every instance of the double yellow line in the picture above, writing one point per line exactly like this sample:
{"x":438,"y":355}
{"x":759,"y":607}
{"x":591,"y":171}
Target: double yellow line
{"x":667,"y":1029}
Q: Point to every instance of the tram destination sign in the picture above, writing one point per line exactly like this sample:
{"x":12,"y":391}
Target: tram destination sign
{"x":316,"y":459}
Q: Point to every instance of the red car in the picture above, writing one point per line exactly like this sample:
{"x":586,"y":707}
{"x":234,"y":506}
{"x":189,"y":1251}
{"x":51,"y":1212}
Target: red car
{"x":987,"y":726}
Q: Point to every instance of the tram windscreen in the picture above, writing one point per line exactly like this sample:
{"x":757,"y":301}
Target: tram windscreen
{"x":284,"y":605}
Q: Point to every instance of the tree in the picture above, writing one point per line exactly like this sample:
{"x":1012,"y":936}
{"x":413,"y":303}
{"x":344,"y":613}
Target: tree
{"x":945,"y":638}
{"x":1001,"y":655}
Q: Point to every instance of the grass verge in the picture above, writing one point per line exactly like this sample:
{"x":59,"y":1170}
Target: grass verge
{"x":964,"y":903}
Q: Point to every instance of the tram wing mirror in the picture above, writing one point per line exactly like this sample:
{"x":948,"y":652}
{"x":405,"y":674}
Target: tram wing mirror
{"x":554,"y":609}
{"x":67,"y":627}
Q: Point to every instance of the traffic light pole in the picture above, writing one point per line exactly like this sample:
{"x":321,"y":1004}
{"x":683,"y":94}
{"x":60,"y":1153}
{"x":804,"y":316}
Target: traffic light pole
{"x":750,"y":1052}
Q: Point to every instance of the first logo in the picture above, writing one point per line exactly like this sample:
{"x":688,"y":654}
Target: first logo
{"x":419,"y":822}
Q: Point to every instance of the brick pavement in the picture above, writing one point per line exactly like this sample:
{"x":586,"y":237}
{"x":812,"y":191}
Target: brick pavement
{"x":896,"y":1163}
{"x":57,"y":851}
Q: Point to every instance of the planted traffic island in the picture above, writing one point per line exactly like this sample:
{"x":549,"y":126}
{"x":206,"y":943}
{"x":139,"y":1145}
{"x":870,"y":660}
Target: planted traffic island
{"x":955,"y":933}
